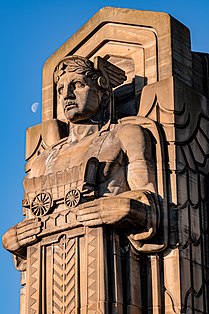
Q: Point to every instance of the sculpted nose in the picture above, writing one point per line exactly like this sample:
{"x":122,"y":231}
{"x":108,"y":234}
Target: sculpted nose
{"x":69,"y":93}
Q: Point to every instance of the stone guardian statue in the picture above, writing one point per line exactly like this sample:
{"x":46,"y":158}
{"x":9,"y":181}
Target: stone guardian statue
{"x":90,"y":202}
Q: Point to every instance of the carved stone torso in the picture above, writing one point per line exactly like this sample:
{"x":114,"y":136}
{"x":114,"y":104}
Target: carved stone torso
{"x":64,"y":159}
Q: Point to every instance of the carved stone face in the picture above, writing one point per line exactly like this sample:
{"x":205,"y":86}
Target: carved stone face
{"x":79,"y":96}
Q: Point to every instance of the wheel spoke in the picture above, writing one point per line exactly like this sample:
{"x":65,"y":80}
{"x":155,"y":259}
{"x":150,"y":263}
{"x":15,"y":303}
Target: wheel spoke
{"x":42,"y":209}
{"x":35,"y":210}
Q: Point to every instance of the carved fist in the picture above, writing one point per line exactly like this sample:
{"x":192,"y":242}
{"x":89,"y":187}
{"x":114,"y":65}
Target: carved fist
{"x":21,"y":235}
{"x":111,"y":210}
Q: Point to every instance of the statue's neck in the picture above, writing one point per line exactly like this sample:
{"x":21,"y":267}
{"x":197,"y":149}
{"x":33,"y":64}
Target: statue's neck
{"x":79,"y":131}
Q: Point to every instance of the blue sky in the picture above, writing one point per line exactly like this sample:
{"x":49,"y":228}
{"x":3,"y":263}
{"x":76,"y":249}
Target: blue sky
{"x":30,"y":32}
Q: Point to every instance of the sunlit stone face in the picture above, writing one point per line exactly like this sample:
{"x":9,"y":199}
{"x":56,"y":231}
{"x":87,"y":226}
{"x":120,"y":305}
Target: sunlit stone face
{"x":78,"y":96}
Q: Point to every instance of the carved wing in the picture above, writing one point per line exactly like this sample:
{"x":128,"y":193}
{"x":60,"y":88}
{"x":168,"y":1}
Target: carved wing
{"x":184,"y":116}
{"x":115,"y":75}
{"x":192,"y":144}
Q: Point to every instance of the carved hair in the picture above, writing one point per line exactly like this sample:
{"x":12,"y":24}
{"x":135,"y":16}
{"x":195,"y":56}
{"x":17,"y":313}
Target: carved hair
{"x":78,"y":65}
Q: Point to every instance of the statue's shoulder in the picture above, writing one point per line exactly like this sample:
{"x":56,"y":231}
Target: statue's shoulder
{"x":38,"y":165}
{"x":134,"y":137}
{"x":60,"y":143}
{"x":125,"y":129}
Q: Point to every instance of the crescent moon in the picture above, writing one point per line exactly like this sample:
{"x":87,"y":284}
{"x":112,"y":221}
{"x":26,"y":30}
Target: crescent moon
{"x":34,"y":107}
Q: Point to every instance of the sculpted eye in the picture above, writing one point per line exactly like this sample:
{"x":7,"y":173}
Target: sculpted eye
{"x":79,"y":84}
{"x":60,"y":89}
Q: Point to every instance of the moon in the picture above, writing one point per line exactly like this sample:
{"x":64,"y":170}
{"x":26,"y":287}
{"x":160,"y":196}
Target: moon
{"x":34,"y":107}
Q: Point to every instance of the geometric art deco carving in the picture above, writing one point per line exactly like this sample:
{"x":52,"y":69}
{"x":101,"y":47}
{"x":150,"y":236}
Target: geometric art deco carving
{"x":116,"y":188}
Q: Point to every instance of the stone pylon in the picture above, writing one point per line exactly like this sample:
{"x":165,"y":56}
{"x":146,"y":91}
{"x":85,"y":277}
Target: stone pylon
{"x":77,"y":268}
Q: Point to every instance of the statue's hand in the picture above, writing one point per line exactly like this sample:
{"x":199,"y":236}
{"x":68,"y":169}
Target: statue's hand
{"x":27,"y":231}
{"x":111,"y":210}
{"x":21,"y":235}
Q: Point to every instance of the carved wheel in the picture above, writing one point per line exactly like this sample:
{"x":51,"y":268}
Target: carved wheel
{"x":41,"y":204}
{"x":72,"y":198}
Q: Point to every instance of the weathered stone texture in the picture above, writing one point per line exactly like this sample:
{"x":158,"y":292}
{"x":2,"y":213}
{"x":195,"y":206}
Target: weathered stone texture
{"x":117,"y":173}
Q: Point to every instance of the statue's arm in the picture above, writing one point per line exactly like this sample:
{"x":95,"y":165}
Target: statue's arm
{"x":132,"y":207}
{"x":137,"y":146}
{"x":111,"y":210}
{"x":18,"y":237}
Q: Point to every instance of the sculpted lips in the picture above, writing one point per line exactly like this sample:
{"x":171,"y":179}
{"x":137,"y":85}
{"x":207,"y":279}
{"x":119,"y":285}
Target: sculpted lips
{"x":70,"y":105}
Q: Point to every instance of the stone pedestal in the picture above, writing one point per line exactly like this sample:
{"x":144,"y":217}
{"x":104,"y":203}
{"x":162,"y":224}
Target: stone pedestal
{"x":82,"y":270}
